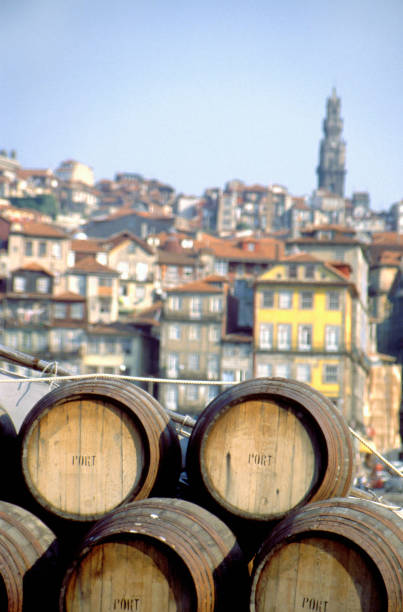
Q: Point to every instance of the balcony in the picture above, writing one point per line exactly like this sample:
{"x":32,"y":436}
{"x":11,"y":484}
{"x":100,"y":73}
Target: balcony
{"x":186,"y":315}
{"x":296,"y":347}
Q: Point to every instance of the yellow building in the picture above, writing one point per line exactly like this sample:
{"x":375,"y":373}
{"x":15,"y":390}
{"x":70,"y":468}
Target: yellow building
{"x":305,"y":328}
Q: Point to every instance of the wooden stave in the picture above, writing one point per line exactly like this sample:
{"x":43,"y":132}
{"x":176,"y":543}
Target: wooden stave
{"x":338,"y":476}
{"x":219,"y":551}
{"x":158,"y":433}
{"x":379,"y":536}
{"x":27,"y":546}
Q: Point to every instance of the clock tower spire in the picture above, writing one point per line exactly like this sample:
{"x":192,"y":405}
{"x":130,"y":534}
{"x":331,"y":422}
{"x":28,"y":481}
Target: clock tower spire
{"x":331,"y":169}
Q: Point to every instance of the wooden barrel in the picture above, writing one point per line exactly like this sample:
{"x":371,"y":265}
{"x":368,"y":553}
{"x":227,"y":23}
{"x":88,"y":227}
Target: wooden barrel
{"x":89,"y":446}
{"x":337,"y":555}
{"x":28,"y":561}
{"x":156,"y":555}
{"x":267,"y":446}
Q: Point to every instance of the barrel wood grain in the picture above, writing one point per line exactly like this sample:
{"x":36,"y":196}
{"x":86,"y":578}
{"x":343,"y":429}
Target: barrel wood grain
{"x":259,"y":456}
{"x":266,"y":446}
{"x":337,"y":554}
{"x":28,"y":561}
{"x":87,"y":447}
{"x":84,"y":457}
{"x":157,"y":554}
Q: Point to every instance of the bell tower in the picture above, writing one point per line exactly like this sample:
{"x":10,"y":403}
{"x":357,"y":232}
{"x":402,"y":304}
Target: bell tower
{"x":331,"y":169}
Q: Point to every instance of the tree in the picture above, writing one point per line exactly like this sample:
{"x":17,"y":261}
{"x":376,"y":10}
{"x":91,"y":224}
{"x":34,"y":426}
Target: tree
{"x":47,"y":204}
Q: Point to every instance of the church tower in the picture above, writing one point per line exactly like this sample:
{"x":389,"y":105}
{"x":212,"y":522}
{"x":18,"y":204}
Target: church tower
{"x":331,"y":170}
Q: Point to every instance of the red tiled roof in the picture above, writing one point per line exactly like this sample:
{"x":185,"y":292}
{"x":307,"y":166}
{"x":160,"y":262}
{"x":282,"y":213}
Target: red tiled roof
{"x":89,"y":264}
{"x":90,"y":245}
{"x":35,"y":228}
{"x":387,"y":238}
{"x":125,"y":236}
{"x":178,"y":259}
{"x":200,"y":286}
{"x":34,"y":267}
{"x":301,"y":257}
{"x":27,"y":172}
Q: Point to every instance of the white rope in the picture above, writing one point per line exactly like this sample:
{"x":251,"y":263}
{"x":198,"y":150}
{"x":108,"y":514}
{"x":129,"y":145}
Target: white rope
{"x":123,"y":377}
{"x":375,"y":452}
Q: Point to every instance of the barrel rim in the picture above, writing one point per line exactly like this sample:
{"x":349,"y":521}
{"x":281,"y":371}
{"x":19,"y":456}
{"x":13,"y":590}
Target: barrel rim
{"x":156,"y":430}
{"x":332,"y":428}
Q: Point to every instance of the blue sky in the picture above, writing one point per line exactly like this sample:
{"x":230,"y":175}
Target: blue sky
{"x":198,"y":93}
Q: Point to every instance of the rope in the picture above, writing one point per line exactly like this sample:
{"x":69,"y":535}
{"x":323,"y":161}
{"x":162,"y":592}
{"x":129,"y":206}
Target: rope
{"x":375,"y":452}
{"x":123,"y":377}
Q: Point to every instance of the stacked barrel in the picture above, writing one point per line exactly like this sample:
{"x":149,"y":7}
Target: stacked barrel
{"x":255,"y":514}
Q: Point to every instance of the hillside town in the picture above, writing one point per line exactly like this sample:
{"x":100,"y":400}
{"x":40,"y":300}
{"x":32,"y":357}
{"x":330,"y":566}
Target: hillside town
{"x":126,"y":276}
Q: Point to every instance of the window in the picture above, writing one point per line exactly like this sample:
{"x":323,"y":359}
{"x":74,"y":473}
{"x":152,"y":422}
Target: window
{"x":104,"y":306}
{"x":212,"y":392}
{"x":174,"y":332}
{"x":194,"y":332}
{"x":172,"y":364}
{"x":192,"y":392}
{"x":303,"y":372}
{"x":216,"y":304}
{"x":283,"y":370}
{"x":110,"y":346}
{"x":60,"y":310}
{"x":306,"y":300}
{"x":212,"y":366}
{"x":266,"y":335}
{"x":267,"y":299}
{"x":244,"y":350}
{"x":310,"y":270}
{"x":214,"y":333}
{"x":284,"y":336}
{"x":187,"y":272}
{"x":123,"y":269}
{"x":332,"y":337}
{"x":42,"y":284}
{"x":228,"y":375}
{"x":77,"y":311}
{"x":175,"y":302}
{"x":331,"y":373}
{"x":195,"y":307}
{"x":42,"y":251}
{"x":126,"y":346}
{"x":28,"y":248}
{"x":172,"y":274}
{"x":104,"y":281}
{"x":19,"y":283}
{"x":109,"y":370}
{"x":139,"y":293}
{"x":12,"y":339}
{"x":94,"y":346}
{"x":292,"y":270}
{"x":171,"y":397}
{"x":92,"y":369}
{"x":81,"y":284}
{"x":285,"y":299}
{"x":333,"y":300}
{"x":141,"y":271}
{"x":57,"y":250}
{"x":264,"y":369}
{"x":193,"y":362}
{"x":221,"y":268}
{"x":102,"y":258}
{"x":305,"y":337}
